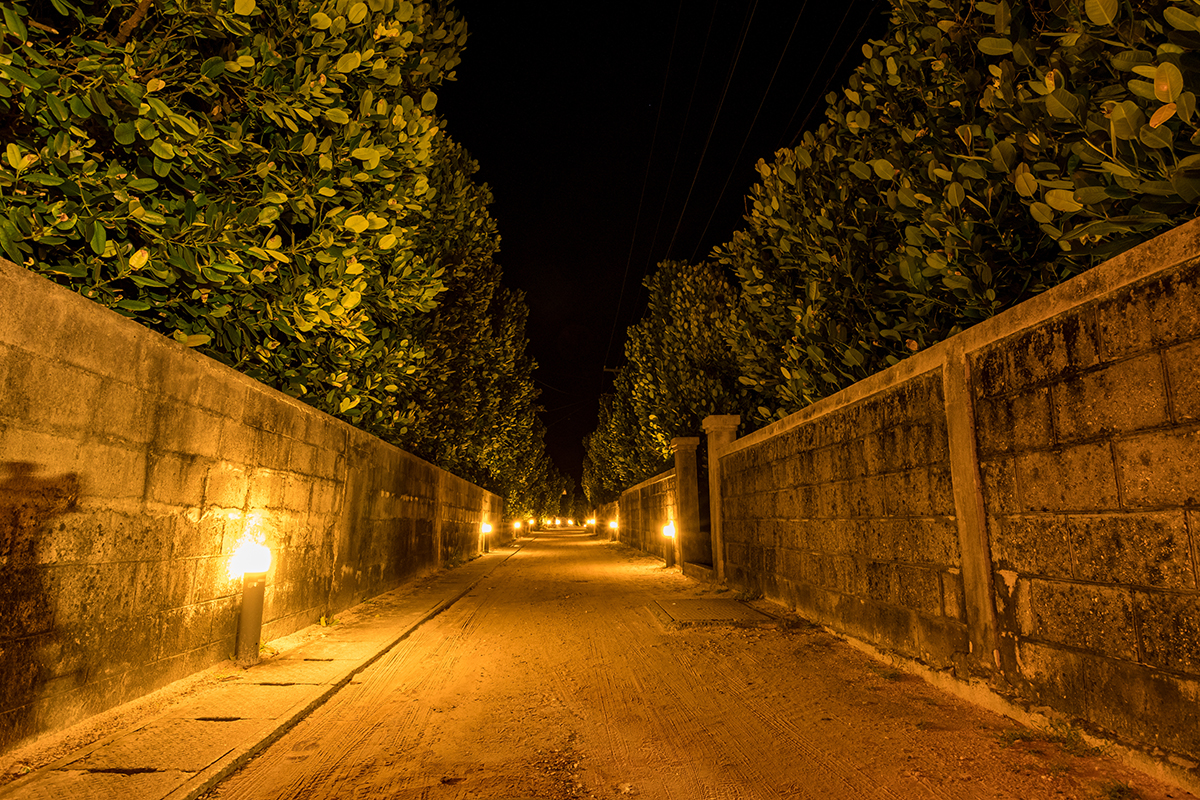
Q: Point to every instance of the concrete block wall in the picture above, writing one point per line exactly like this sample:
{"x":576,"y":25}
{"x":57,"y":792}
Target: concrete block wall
{"x":130,"y":469}
{"x":852,"y":519}
{"x":644,"y":510}
{"x":1018,"y":503}
{"x":1089,"y":443}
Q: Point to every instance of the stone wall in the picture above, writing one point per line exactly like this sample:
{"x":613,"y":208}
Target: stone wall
{"x":130,"y":469}
{"x":1018,"y":503}
{"x":645,"y":509}
{"x":851,"y":518}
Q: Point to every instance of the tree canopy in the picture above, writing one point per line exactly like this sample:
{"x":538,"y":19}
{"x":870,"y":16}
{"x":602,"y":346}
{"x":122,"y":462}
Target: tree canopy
{"x":269,"y":181}
{"x":980,"y":153}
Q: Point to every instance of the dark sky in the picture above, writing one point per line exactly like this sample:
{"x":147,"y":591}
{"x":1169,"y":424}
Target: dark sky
{"x":615,"y":136}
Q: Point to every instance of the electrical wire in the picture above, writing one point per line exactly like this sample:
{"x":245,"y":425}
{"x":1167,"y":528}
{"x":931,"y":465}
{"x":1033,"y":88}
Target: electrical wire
{"x":642,"y":195}
{"x":749,"y":130}
{"x":678,"y":148}
{"x":720,"y":105}
{"x":832,"y":75}
{"x":812,"y":76}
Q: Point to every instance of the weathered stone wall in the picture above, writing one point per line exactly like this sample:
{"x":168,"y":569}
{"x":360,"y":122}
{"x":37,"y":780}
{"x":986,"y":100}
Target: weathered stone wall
{"x":130,"y":469}
{"x":645,"y":509}
{"x":851,"y":517}
{"x":609,"y":512}
{"x":1018,"y":503}
{"x":1089,"y":444}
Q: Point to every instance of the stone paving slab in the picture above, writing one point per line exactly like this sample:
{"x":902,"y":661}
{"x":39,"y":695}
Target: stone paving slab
{"x":710,"y":611}
{"x":249,"y":701}
{"x":81,"y":785}
{"x":191,"y":746}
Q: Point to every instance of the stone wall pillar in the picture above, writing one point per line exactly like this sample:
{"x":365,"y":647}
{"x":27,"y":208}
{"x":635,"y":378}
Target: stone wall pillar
{"x":969,"y":511}
{"x":721,"y":430}
{"x":687,"y":498}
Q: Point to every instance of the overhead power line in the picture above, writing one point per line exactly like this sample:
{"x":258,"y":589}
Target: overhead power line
{"x":642,"y":194}
{"x":720,"y":105}
{"x":812,"y":76}
{"x":749,"y":130}
{"x":679,"y":147}
{"x":832,"y":75}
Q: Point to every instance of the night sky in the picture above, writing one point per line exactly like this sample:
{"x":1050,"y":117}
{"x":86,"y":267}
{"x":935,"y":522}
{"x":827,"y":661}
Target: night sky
{"x":615,"y":136}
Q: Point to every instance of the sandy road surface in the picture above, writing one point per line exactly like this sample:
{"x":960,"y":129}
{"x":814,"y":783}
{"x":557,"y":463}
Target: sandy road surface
{"x":554,"y":679}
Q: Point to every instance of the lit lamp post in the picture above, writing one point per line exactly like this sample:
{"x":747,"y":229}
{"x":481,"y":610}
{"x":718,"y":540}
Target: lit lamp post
{"x":486,"y":530}
{"x":612,"y":529}
{"x":251,"y":561}
{"x":669,"y":543}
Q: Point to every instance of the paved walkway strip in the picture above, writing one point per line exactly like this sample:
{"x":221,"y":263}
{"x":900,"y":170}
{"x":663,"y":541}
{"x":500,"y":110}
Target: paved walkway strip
{"x":183,"y":752}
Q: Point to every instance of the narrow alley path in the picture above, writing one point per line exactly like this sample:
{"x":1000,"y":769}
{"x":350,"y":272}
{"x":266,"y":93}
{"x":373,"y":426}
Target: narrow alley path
{"x":555,"y":679}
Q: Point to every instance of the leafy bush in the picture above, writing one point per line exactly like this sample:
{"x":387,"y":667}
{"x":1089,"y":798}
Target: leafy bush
{"x":982,"y":152}
{"x":265,"y":180}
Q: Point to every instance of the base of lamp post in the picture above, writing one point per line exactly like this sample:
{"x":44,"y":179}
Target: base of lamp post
{"x":254,"y":585}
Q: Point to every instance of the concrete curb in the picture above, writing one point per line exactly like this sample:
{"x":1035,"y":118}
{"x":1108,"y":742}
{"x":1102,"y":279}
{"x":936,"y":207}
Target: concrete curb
{"x":39,"y":783}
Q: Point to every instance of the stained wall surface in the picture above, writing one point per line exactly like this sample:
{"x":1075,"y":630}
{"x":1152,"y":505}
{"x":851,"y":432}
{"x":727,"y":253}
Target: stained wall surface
{"x":1019,"y":503}
{"x":645,"y":509}
{"x":130,"y":470}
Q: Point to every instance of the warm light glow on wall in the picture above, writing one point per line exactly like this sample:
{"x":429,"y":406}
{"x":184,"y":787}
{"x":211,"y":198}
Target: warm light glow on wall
{"x":251,"y":555}
{"x":669,"y":530}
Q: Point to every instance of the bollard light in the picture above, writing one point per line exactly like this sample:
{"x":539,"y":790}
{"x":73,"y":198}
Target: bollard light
{"x":591,"y":522}
{"x":570,"y":523}
{"x":486,"y":528}
{"x":669,"y":530}
{"x":613,"y":524}
{"x":517,"y":525}
{"x":250,"y":561}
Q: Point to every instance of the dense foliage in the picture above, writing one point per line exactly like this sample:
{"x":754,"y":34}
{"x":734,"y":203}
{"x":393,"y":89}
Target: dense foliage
{"x":268,"y":181}
{"x":980,"y":153}
{"x":680,"y":370}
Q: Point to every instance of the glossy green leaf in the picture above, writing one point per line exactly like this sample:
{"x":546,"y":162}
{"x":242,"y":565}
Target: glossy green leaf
{"x":1101,"y":12}
{"x":1168,"y":82}
{"x":955,"y":194}
{"x":1062,"y":200}
{"x":995,"y":46}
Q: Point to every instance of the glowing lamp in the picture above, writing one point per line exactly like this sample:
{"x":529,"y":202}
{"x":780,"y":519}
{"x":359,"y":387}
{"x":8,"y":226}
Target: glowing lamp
{"x":250,"y":562}
{"x":570,"y":523}
{"x":613,"y":524}
{"x":557,"y":522}
{"x":517,"y":525}
{"x":252,"y":555}
{"x":591,"y":522}
{"x":669,"y":530}
{"x":486,"y":528}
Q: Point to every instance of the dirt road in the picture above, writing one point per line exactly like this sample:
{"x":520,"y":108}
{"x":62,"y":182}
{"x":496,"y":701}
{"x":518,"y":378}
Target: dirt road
{"x":555,"y":679}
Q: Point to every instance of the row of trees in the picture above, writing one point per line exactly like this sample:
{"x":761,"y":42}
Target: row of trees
{"x":269,"y":181}
{"x":981,"y":152}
